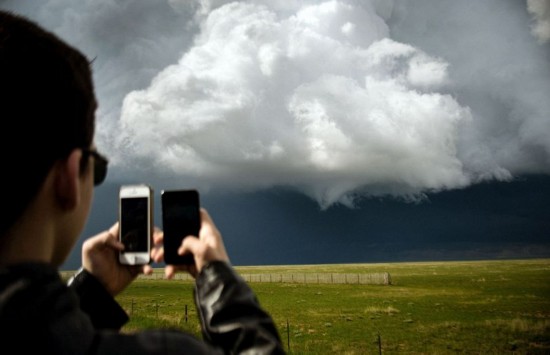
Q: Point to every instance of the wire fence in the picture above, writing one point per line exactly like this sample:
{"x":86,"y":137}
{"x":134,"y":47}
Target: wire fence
{"x":322,"y":278}
{"x":382,"y":278}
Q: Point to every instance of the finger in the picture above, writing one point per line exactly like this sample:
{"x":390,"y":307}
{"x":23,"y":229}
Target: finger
{"x":158,"y":236}
{"x":157,"y":254}
{"x":208,"y":232}
{"x":105,"y":238}
{"x":113,"y":242}
{"x":157,"y":251}
{"x":114,"y":229}
{"x":147,"y":269}
{"x":190,"y":245}
{"x":169,"y":271}
{"x":207,"y":225}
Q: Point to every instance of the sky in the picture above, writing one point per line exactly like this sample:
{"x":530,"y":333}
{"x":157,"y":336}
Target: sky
{"x":327,"y":131}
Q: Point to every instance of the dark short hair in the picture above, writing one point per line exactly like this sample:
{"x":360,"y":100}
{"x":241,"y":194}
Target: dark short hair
{"x":47,"y":109}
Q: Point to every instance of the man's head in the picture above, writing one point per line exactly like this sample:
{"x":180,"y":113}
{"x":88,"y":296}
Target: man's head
{"x":47,"y":108}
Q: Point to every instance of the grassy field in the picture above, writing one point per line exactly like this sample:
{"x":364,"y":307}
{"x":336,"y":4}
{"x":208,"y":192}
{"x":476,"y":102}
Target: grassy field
{"x":477,"y":307}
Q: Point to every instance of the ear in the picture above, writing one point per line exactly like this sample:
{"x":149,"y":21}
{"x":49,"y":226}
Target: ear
{"x":67,"y":182}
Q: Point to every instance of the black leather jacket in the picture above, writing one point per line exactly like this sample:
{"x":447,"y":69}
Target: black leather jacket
{"x":39,"y":313}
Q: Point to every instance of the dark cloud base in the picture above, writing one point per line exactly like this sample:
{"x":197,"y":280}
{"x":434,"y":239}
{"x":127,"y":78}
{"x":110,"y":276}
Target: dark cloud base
{"x":499,"y":220}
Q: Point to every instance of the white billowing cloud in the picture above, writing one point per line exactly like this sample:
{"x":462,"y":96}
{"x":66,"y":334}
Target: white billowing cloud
{"x":498,"y":70}
{"x":540,"y":9}
{"x":321,"y":100}
{"x":338,"y":99}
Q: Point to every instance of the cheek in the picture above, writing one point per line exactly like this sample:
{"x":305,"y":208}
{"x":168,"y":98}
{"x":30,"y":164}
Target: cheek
{"x":85,"y":207}
{"x":87,"y":199}
{"x":87,"y":195}
{"x":76,"y":224}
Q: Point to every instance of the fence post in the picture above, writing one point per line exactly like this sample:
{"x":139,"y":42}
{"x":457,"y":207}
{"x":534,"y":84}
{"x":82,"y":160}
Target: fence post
{"x":379,"y":344}
{"x":185,"y":313}
{"x":288,"y":335}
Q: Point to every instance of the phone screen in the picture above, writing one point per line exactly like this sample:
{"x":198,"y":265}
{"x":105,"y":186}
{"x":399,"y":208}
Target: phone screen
{"x":180,"y":218}
{"x":133,"y":224}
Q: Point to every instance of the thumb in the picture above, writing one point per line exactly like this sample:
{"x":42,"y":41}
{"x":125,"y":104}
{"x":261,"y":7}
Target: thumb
{"x":190,"y":245}
{"x":199,"y":249}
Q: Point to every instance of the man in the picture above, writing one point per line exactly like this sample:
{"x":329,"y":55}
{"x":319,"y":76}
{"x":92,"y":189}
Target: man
{"x":47,"y":111}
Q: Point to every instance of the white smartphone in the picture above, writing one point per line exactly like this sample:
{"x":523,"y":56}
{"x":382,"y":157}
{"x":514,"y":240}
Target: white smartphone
{"x":135,"y":223}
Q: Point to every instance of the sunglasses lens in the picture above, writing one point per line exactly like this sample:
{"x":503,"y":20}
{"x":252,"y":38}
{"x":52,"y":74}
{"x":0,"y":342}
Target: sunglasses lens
{"x":100,"y":165}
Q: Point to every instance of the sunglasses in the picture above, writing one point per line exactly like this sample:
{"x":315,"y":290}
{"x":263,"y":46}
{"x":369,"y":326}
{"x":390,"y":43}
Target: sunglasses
{"x":100,"y":165}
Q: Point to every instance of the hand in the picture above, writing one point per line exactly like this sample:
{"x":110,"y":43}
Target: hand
{"x":208,"y":246}
{"x":100,"y":258}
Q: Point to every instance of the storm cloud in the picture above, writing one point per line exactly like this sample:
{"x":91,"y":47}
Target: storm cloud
{"x":540,"y":9}
{"x":336,"y":99}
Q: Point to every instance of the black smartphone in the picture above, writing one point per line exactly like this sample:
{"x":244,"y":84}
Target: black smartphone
{"x":180,"y":218}
{"x":136,"y":224}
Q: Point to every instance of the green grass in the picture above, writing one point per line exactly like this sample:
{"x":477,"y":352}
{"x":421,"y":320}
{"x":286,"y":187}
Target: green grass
{"x":478,"y":307}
